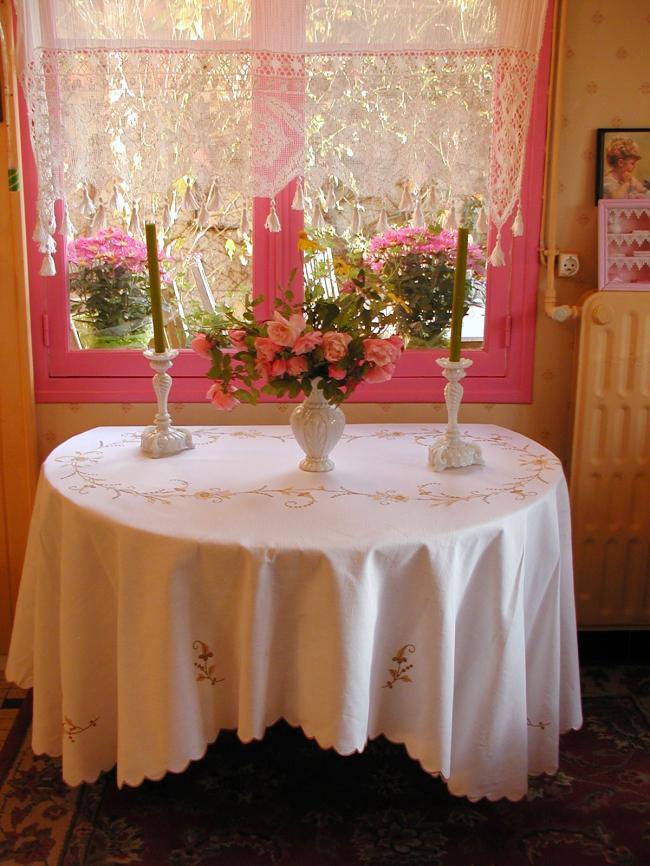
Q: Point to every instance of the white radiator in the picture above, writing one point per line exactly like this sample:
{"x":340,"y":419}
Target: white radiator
{"x":610,"y":462}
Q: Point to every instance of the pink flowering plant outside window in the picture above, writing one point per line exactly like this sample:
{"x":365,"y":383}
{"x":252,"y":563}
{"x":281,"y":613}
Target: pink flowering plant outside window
{"x":415,"y":268}
{"x":337,"y":342}
{"x":108,"y":286}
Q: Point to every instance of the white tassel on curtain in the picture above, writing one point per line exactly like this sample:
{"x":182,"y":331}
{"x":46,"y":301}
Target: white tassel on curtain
{"x":298,"y":202}
{"x":272,"y":223}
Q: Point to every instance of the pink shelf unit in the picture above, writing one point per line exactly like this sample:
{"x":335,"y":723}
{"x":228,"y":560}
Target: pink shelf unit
{"x":624,"y":244}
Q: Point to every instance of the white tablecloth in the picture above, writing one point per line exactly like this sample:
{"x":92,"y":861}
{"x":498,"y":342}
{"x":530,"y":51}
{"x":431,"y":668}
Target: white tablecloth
{"x":163,"y":600}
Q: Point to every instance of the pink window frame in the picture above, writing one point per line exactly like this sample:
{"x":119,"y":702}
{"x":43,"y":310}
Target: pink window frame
{"x":502,"y":370}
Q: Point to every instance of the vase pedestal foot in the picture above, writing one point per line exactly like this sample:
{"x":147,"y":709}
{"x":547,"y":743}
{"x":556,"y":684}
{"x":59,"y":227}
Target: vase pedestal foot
{"x":314,"y":464}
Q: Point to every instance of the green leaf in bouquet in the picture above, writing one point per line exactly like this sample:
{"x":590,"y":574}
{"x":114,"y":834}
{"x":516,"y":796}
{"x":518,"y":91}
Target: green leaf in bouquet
{"x":244,"y":396}
{"x":294,"y":388}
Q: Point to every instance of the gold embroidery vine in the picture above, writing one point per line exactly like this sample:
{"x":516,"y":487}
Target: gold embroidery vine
{"x":399,"y":673}
{"x":541,"y":725}
{"x":205,"y":671}
{"x":534,"y":465}
{"x":71,"y":729}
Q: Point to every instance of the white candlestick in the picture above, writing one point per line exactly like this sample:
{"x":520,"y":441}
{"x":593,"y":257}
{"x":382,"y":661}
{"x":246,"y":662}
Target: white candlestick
{"x":162,"y":438}
{"x":451,"y":451}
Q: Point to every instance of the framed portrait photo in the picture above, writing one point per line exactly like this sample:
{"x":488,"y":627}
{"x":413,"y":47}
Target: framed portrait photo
{"x":623,"y":164}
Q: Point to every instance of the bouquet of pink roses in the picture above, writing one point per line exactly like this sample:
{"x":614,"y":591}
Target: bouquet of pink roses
{"x":340,"y":341}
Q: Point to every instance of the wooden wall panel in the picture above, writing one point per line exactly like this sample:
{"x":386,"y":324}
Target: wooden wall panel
{"x":18,"y":461}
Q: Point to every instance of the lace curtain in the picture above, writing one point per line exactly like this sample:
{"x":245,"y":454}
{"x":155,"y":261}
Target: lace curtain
{"x":144,"y":109}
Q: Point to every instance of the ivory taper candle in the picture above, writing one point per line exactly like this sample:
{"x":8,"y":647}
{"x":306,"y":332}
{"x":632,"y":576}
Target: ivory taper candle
{"x":458,"y":303}
{"x":159,"y":342}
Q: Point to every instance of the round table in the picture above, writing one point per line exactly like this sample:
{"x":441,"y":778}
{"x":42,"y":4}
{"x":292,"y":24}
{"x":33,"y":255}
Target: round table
{"x":223,"y":588}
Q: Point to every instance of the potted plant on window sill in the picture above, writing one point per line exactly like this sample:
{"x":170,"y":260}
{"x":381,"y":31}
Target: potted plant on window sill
{"x":108,"y":287}
{"x":415,"y":268}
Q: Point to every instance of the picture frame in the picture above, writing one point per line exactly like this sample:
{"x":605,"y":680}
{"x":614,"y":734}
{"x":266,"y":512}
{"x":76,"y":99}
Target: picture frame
{"x":624,"y":244}
{"x":623,"y":163}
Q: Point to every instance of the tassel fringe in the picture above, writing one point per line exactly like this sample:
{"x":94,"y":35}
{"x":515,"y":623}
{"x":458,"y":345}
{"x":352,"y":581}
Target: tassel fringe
{"x":417,"y":220}
{"x":167,"y":219}
{"x":66,"y":229}
{"x":317,"y":220}
{"x":272,"y":223}
{"x":244,"y":224}
{"x":40,"y":234}
{"x":497,"y":259}
{"x":481,"y":222}
{"x":203,"y":217}
{"x":406,"y":201}
{"x":518,"y":224}
{"x":213,"y":202}
{"x":429,"y":200}
{"x":382,"y":223}
{"x":87,"y":208}
{"x":99,"y":220}
{"x":451,"y":222}
{"x":189,"y":199}
{"x":330,"y":199}
{"x":173,"y":206}
{"x":355,"y":222}
{"x":135,"y":229}
{"x":117,"y":199}
{"x":298,"y":202}
{"x":48,"y":268}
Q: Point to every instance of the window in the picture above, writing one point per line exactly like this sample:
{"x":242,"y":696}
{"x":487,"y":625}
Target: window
{"x":345,"y":122}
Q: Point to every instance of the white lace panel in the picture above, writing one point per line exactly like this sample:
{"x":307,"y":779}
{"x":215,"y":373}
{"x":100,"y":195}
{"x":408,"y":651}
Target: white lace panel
{"x":127,"y":98}
{"x":424,"y":118}
{"x":139,"y":121}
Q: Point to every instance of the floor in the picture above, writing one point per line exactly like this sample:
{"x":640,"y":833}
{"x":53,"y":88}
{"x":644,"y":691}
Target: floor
{"x":11,"y":698}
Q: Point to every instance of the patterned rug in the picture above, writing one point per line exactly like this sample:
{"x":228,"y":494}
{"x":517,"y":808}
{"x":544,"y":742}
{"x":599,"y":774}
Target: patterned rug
{"x":284,"y":801}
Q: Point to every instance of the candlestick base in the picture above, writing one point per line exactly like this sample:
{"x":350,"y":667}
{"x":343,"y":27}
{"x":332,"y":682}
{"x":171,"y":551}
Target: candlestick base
{"x":162,"y":438}
{"x":451,"y":451}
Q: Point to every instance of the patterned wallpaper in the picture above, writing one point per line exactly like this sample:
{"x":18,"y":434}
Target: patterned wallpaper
{"x":607,"y":84}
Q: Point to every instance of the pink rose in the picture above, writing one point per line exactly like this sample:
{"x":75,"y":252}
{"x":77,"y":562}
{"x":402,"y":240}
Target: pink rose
{"x":266,"y":349}
{"x":237,"y":338}
{"x":379,"y":374}
{"x":297,"y":364}
{"x":202,"y":346}
{"x":306,"y":342}
{"x":380,"y":352}
{"x":336,"y":372}
{"x":278,"y":367}
{"x":349,"y":286}
{"x":335,"y":346}
{"x":285,"y":332}
{"x":220,"y":398}
{"x":397,"y":341}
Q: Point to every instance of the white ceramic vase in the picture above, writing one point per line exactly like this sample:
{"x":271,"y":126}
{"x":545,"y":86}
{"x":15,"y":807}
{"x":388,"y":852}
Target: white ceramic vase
{"x":317,"y":425}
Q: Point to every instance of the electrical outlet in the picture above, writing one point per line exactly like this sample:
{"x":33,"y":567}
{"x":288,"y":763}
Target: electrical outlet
{"x":567,"y":264}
